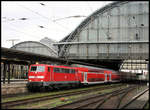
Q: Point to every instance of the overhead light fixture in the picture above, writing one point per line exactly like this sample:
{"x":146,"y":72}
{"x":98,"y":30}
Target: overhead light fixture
{"x":41,"y":26}
{"x":42,"y":4}
{"x":23,"y":18}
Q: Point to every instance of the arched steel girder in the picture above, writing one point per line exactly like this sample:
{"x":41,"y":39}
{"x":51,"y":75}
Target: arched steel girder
{"x":97,"y":13}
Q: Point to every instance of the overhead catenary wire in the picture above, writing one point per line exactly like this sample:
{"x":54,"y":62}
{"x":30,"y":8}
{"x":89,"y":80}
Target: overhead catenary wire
{"x":23,"y":18}
{"x":16,"y":29}
{"x":11,"y":20}
{"x":14,"y":19}
{"x":22,"y":32}
{"x":76,"y":16}
{"x":47,"y":17}
{"x":64,"y":27}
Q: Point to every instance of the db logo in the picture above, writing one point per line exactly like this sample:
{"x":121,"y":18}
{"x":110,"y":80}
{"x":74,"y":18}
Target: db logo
{"x":65,"y":77}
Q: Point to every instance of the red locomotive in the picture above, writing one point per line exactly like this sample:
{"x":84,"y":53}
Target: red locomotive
{"x":50,"y":76}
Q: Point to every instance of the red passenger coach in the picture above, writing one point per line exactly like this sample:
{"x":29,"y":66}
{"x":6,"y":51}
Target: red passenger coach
{"x":96,"y":76}
{"x":50,"y":76}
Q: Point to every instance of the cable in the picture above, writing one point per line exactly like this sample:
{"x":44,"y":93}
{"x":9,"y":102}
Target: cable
{"x":28,"y":23}
{"x":22,"y":32}
{"x":23,"y":18}
{"x":42,"y":16}
{"x":76,"y":16}
{"x":33,"y":11}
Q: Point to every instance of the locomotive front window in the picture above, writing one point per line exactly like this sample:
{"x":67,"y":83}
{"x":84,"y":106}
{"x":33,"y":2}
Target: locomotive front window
{"x":37,"y":68}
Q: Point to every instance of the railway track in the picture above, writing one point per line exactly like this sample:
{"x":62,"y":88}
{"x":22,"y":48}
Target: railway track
{"x":100,"y":101}
{"x":134,"y":102}
{"x":50,"y":97}
{"x":15,"y":95}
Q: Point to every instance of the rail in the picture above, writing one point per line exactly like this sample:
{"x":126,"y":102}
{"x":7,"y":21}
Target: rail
{"x":48,"y":97}
{"x":92,"y":100}
{"x":109,"y":100}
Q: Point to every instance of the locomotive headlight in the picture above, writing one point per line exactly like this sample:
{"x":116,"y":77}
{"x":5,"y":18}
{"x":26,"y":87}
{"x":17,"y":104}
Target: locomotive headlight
{"x":40,"y":76}
{"x":41,"y":80}
{"x":31,"y":77}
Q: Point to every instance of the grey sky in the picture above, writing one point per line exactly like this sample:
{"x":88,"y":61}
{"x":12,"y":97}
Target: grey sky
{"x":40,"y":19}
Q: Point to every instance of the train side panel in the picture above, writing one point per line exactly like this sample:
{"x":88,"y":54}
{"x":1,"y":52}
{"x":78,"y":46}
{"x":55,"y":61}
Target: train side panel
{"x":64,"y":75}
{"x":95,"y":78}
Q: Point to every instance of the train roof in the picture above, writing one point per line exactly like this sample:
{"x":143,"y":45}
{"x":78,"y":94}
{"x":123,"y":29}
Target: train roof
{"x":58,"y":66}
{"x":77,"y":66}
{"x":91,"y":68}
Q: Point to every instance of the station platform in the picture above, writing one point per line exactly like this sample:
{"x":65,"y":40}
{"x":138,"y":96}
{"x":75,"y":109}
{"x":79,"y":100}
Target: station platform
{"x":13,"y":87}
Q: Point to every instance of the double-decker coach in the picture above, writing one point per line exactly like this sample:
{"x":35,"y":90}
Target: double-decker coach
{"x":96,"y":76}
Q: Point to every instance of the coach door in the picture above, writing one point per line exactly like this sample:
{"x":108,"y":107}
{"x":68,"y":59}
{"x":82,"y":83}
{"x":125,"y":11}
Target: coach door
{"x":110,"y":77}
{"x":85,"y":77}
{"x":82,"y":76}
{"x":52,"y":75}
{"x":49,"y":74}
{"x":105,"y":77}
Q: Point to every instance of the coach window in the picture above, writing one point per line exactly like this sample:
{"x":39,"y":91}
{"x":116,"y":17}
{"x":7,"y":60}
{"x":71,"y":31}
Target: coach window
{"x":59,"y":70}
{"x":72,"y":71}
{"x":49,"y":69}
{"x":62,"y":70}
{"x":67,"y":70}
{"x":56,"y":70}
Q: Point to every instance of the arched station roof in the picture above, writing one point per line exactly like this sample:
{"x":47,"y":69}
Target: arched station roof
{"x":35,"y":47}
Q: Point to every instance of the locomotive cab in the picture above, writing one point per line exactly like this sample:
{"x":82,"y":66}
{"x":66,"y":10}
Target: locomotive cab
{"x":38,"y":74}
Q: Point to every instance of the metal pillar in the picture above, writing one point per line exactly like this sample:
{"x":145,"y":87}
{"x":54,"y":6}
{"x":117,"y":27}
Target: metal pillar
{"x":4,"y":73}
{"x":8,"y":73}
{"x":22,"y":72}
{"x":12,"y":70}
{"x":27,"y":68}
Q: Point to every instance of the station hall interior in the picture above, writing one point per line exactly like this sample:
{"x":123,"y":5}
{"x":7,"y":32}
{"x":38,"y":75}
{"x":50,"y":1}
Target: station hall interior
{"x":115,"y":36}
